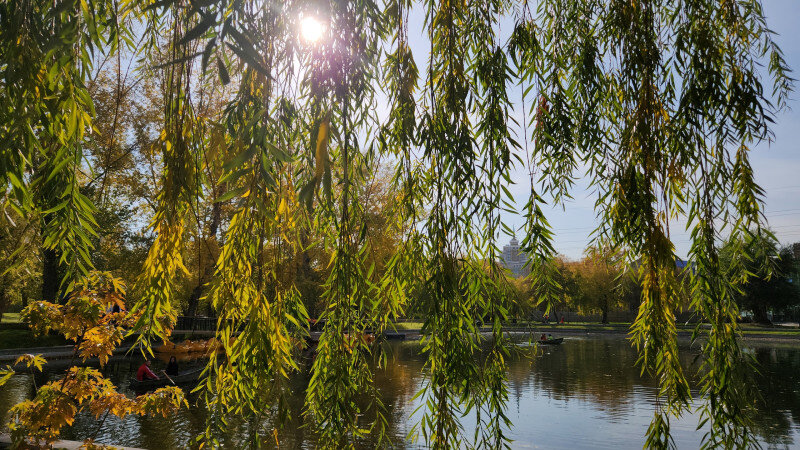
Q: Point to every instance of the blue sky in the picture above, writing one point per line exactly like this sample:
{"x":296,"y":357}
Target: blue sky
{"x":776,"y":164}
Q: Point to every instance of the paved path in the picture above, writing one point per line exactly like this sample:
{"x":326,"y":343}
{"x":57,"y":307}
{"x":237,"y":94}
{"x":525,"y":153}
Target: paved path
{"x":10,"y":355}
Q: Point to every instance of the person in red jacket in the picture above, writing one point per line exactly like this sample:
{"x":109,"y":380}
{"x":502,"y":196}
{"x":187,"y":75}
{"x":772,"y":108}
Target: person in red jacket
{"x":144,"y":372}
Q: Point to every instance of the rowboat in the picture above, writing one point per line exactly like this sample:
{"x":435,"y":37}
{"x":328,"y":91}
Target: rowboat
{"x":184,"y":377}
{"x":552,"y":341}
{"x":391,"y":335}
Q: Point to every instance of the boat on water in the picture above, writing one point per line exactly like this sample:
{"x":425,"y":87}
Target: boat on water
{"x":551,"y":341}
{"x":182,"y":378}
{"x":394,"y":336}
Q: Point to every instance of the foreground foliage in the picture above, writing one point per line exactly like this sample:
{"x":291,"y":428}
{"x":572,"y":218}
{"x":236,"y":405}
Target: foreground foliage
{"x":83,"y":319}
{"x":657,"y":102}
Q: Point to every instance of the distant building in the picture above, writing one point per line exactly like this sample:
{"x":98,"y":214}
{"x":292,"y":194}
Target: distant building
{"x":514,"y":259}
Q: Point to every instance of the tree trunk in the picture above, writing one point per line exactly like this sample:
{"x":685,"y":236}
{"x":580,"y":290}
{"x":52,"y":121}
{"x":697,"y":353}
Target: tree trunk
{"x":760,"y":314}
{"x":3,"y":302}
{"x":50,"y":277}
{"x":194,"y":300}
{"x":604,"y":308}
{"x":206,"y":270}
{"x":4,"y":297}
{"x":24,"y":295}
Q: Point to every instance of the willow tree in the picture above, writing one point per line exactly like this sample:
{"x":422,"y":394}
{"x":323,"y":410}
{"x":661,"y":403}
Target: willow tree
{"x":656,"y":102}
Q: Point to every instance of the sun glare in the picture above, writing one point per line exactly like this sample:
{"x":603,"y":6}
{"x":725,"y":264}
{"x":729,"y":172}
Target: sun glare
{"x":311,"y":29}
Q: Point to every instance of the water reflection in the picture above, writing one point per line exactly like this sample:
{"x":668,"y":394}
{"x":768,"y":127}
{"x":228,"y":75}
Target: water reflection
{"x":585,"y":393}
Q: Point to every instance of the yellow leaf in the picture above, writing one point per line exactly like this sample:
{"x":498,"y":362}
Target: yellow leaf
{"x":282,"y":207}
{"x":184,"y":269}
{"x":322,"y":149}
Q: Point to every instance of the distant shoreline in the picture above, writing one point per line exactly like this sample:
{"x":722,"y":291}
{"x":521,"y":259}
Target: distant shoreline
{"x":785,"y":335}
{"x":411,"y":331}
{"x":682,"y":334}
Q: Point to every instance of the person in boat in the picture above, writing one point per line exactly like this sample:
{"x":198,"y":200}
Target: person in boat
{"x":172,"y":366}
{"x":543,"y":338}
{"x":549,"y":337}
{"x":144,"y":372}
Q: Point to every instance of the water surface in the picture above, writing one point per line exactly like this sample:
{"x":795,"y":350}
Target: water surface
{"x":586,"y":393}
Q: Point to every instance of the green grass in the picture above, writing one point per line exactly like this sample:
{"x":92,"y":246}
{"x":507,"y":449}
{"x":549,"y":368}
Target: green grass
{"x":11,"y":318}
{"x":623,"y":327}
{"x":407,"y":326}
{"x":26,"y":339}
{"x":773,"y":332}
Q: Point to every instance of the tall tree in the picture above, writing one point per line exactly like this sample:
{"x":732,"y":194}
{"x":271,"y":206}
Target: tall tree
{"x":771,"y":288}
{"x":599,"y":280}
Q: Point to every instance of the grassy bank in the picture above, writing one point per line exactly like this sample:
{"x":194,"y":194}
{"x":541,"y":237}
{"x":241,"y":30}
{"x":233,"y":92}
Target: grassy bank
{"x":10,"y":318}
{"x":406,"y":326}
{"x":15,"y":338}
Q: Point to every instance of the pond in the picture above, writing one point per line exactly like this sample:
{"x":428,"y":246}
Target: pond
{"x":585,"y":393}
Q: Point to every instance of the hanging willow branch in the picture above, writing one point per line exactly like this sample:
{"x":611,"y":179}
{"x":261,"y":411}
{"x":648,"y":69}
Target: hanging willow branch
{"x":46,"y":112}
{"x":179,"y":190}
{"x":658,"y":147}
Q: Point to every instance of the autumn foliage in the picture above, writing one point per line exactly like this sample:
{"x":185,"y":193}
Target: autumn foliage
{"x":86,"y":319}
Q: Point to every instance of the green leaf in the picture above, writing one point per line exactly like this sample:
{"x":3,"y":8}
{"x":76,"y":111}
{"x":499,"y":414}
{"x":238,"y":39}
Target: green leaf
{"x":223,"y":72}
{"x":239,"y":159}
{"x":207,"y":51}
{"x":230,"y":194}
{"x":306,"y":195}
{"x":200,"y":29}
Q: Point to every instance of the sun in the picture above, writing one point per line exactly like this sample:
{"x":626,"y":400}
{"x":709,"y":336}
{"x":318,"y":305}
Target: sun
{"x":311,"y":29}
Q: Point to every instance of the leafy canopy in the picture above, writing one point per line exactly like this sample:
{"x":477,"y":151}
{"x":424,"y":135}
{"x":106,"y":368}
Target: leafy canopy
{"x":657,"y":102}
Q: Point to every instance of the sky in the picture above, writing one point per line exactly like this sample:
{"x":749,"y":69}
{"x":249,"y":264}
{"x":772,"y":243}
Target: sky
{"x":776,"y":164}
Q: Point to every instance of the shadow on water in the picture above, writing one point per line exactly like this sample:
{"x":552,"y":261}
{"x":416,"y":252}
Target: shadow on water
{"x":586,"y":393}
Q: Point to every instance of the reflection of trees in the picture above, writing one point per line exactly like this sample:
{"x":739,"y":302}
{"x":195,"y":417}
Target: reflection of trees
{"x":778,"y":406}
{"x":603,"y":371}
{"x":600,"y":371}
{"x":397,"y":382}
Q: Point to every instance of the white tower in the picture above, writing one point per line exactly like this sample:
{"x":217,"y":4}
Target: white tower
{"x":513,"y":259}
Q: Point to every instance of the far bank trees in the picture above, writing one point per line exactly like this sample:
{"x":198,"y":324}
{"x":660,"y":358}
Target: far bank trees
{"x":772,"y":282}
